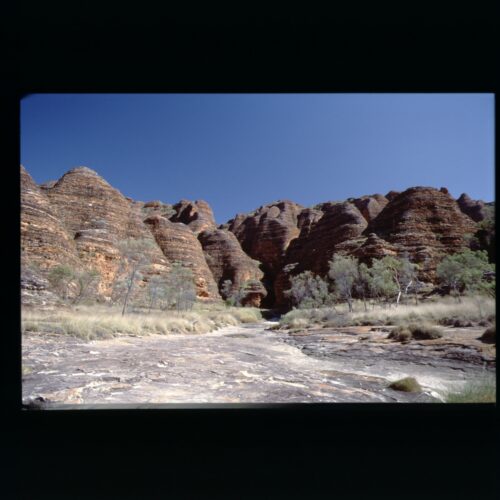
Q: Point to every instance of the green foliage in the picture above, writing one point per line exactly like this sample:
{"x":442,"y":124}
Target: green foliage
{"x":86,"y":282}
{"x":393,"y":276}
{"x":345,"y":274}
{"x":136,"y":254}
{"x":308,"y":290}
{"x":235,"y":297}
{"x":477,"y":391}
{"x":467,"y":272}
{"x":60,"y":277}
{"x":382,"y":284}
{"x":407,"y":384}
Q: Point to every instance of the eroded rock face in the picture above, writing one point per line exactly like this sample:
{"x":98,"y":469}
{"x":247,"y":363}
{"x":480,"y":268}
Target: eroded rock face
{"x":318,"y":241}
{"x":374,"y":248}
{"x":197,"y":215}
{"x":99,"y":217}
{"x":426,"y":223}
{"x":82,"y":197}
{"x":392,"y":194}
{"x":370,"y":206}
{"x":265,"y":235}
{"x":44,"y":239}
{"x":179,"y":244}
{"x":473,"y":208}
{"x":228,"y":261}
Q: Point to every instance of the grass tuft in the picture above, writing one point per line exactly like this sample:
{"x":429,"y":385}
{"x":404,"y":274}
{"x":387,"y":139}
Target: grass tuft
{"x":479,"y":391}
{"x":101,"y":322}
{"x":407,"y":384}
{"x":400,"y":334}
{"x":444,"y":311}
{"x":489,"y":336}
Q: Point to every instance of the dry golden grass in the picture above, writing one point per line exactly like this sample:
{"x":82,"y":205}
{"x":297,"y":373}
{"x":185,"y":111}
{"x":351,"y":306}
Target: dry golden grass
{"x":441,"y":311}
{"x":97,"y":322}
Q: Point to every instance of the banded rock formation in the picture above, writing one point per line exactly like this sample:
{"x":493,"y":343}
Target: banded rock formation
{"x":475,"y":209}
{"x":179,"y":244}
{"x":370,"y":206}
{"x":197,"y":215}
{"x":99,"y":217}
{"x":426,"y":223}
{"x":265,"y":235}
{"x":228,"y":261}
{"x":318,"y":241}
{"x":45,"y":241}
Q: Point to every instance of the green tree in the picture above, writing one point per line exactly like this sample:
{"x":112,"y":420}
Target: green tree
{"x":308,"y":290}
{"x":86,"y":281}
{"x":393,"y":276}
{"x":344,"y":271}
{"x":382,"y":284}
{"x":467,"y":271}
{"x":61,"y":277}
{"x":136,"y":255}
{"x":363,"y":283}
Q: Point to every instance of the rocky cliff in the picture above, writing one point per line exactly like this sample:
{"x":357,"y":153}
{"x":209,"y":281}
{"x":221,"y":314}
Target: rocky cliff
{"x":44,"y":238}
{"x":179,"y":244}
{"x":426,"y":223}
{"x":228,"y":261}
{"x":265,"y":235}
{"x":81,"y":220}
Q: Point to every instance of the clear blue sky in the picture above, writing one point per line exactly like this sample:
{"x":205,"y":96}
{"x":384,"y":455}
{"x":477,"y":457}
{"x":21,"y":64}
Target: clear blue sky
{"x":240,"y":151}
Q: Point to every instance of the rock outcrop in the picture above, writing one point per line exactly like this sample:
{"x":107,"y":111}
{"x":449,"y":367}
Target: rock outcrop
{"x":265,"y":235}
{"x":197,"y":215}
{"x":99,"y":218}
{"x":318,"y":241}
{"x":426,"y":223}
{"x":228,"y":261}
{"x":45,"y":240}
{"x":179,"y":244}
{"x":374,"y":248}
{"x":370,"y":206}
{"x":81,"y":220}
{"x":473,"y":208}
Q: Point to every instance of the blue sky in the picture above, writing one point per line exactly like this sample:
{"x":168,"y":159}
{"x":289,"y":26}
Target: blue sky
{"x":240,"y":151}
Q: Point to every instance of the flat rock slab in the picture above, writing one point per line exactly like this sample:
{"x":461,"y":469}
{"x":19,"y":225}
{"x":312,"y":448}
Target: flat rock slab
{"x":237,"y":364}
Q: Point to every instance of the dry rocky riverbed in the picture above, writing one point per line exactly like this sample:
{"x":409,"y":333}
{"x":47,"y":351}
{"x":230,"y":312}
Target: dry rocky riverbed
{"x":249,"y":364}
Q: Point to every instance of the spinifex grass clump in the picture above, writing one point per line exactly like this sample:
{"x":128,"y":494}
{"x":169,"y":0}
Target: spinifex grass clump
{"x":407,"y":384}
{"x":403,"y":333}
{"x":490,"y":335}
{"x":400,"y":334}
{"x":479,"y":391}
{"x":424,"y":332}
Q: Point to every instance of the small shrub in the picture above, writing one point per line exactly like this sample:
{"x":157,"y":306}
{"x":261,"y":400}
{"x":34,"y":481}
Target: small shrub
{"x":400,"y":334}
{"x":407,"y":384}
{"x":424,"y":332}
{"x":489,"y":336}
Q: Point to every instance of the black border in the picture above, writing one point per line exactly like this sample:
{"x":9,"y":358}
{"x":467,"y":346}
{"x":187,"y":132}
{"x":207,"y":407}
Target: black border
{"x":306,"y":451}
